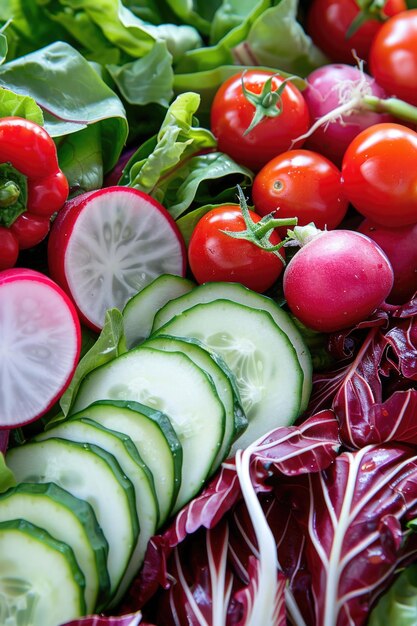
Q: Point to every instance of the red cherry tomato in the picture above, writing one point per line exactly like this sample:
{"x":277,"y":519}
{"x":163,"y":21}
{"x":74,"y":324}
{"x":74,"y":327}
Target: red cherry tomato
{"x":302,"y":184}
{"x":393,"y":56}
{"x":379,"y":174}
{"x":400,"y":246}
{"x":232,"y":113}
{"x":215,"y":256}
{"x":328,"y":22}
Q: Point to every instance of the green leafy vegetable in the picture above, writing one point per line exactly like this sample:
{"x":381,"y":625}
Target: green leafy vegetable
{"x":398,"y":605}
{"x":109,"y":344}
{"x":6,"y":476}
{"x":132,"y":79}
{"x":72,"y":96}
{"x":22,"y":106}
{"x":181,"y":166}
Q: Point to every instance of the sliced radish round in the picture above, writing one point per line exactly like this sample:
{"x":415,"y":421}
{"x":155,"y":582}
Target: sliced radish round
{"x":40,"y":343}
{"x":106,"y":245}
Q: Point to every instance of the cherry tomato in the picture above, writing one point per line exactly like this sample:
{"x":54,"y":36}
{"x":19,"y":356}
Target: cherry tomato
{"x":328,"y":22}
{"x":379,"y":174}
{"x":303,"y":184}
{"x":232,"y":112}
{"x":400,"y":246}
{"x":215,"y":256}
{"x":393,"y":56}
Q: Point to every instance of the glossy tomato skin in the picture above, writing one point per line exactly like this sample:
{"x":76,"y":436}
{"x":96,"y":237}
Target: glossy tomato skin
{"x":232,"y":113}
{"x":303,"y":184}
{"x":329,"y":20}
{"x":379,"y":174}
{"x":400,"y":246}
{"x":215,"y":256}
{"x":393,"y":56}
{"x":337,"y":280}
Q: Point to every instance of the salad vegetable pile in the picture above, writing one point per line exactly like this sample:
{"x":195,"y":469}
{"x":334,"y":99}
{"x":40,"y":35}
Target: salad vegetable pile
{"x":208,"y":313}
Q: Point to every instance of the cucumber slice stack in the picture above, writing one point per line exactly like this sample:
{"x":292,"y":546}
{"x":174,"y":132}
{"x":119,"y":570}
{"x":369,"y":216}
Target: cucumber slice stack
{"x":206,"y":370}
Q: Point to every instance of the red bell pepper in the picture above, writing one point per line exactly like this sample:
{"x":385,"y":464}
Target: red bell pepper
{"x":32,"y":186}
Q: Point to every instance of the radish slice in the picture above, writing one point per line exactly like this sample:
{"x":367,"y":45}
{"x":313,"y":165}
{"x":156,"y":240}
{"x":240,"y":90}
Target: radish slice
{"x":40,"y":343}
{"x":107,"y":245}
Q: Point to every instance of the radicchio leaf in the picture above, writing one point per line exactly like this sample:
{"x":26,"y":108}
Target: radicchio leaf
{"x":354,"y":516}
{"x":373,"y":392}
{"x":293,"y":450}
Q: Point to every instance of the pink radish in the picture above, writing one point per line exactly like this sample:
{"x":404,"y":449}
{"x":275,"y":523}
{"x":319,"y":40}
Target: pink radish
{"x":40,"y":342}
{"x":339,"y":99}
{"x":337,"y":278}
{"x":106,"y":245}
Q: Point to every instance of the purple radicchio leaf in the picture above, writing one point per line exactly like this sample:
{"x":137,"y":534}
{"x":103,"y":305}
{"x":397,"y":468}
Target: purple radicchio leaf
{"x":373,"y":395}
{"x":354,"y":517}
{"x":315,"y":445}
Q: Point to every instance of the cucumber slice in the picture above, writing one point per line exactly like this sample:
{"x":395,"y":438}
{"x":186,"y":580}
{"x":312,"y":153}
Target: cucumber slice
{"x":92,"y":474}
{"x":259,"y":354}
{"x":69,"y":520}
{"x":40,"y":581}
{"x":223,"y":380}
{"x":138,"y":314}
{"x":155,"y":439}
{"x":242,"y":295}
{"x":172,"y":383}
{"x":83,"y":429}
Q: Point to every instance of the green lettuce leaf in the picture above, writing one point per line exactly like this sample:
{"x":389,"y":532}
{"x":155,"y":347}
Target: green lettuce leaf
{"x":398,"y":606}
{"x":277,"y":39}
{"x":181,"y":166}
{"x":107,"y":346}
{"x":206,"y":177}
{"x":7,"y":478}
{"x":80,"y":157}
{"x":132,"y":79}
{"x":72,"y":96}
{"x":22,"y":106}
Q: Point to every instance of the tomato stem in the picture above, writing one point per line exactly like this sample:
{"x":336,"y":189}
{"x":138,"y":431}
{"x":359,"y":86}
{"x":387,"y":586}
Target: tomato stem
{"x":268,"y":103}
{"x":260,"y":232}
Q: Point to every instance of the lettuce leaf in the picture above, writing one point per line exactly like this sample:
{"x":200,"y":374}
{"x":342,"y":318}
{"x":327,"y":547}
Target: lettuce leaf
{"x":181,"y":167}
{"x":73,"y":98}
{"x":7,"y":479}
{"x":107,"y":346}
{"x":399,"y":604}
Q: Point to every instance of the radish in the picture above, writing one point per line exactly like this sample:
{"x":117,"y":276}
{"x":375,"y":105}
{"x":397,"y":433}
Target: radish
{"x":400,"y":246}
{"x":106,"y":245}
{"x":40,"y":343}
{"x":339,"y":99}
{"x":337,"y":279}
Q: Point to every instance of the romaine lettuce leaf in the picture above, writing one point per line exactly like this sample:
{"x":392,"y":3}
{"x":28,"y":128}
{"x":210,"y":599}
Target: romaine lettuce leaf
{"x":181,"y":166}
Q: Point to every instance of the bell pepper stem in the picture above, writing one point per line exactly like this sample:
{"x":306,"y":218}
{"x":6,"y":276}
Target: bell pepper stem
{"x":9,"y":193}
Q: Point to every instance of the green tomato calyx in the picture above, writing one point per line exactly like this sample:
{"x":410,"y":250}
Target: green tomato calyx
{"x":259,"y":233}
{"x":268,"y":103}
